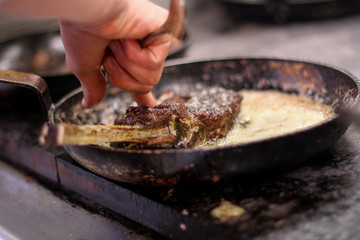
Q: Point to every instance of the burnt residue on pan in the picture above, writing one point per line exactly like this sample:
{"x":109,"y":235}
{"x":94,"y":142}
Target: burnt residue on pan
{"x":313,"y":80}
{"x":158,"y":167}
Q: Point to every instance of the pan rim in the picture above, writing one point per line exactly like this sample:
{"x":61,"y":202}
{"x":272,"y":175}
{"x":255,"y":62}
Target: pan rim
{"x":188,"y":60}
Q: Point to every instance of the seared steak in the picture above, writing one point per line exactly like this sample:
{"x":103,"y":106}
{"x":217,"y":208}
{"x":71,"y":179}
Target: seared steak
{"x":215,"y":107}
{"x":183,"y":131}
{"x":204,"y":113}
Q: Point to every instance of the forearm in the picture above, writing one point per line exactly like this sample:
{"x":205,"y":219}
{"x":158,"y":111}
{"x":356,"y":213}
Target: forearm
{"x":108,"y":18}
{"x":70,"y":10}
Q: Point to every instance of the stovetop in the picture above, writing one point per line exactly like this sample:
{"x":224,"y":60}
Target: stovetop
{"x":319,"y":200}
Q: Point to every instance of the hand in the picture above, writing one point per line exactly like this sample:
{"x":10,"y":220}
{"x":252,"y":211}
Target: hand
{"x":113,"y":44}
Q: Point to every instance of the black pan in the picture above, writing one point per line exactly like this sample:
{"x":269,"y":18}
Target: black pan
{"x":169,"y":166}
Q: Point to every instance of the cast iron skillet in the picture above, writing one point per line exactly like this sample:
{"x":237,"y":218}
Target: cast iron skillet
{"x":169,"y":166}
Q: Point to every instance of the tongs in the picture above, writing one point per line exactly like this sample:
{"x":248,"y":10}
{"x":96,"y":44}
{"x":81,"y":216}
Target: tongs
{"x":65,"y":134}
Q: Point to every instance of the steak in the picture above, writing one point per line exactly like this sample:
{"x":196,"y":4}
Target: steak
{"x":181,"y":129}
{"x":192,"y":114}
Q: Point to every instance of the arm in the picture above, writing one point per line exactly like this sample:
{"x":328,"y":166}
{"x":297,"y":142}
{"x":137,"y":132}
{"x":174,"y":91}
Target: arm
{"x":66,"y":9}
{"x":90,"y":27}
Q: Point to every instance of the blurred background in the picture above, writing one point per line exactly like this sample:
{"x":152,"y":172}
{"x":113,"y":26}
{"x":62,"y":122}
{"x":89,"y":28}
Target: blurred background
{"x":327,"y":31}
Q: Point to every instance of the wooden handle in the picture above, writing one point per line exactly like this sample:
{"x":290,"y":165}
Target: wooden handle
{"x":63,"y":134}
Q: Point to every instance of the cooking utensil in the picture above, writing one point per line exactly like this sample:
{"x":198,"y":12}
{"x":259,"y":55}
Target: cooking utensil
{"x":327,"y":84}
{"x":174,"y":24}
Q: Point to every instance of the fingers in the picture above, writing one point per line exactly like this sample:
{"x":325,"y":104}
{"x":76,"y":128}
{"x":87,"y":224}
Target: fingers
{"x":94,"y":89}
{"x":136,"y":69}
{"x":120,"y":78}
{"x":150,"y":57}
{"x":130,"y":68}
{"x":84,"y":54}
{"x":145,"y":99}
{"x":144,"y":64}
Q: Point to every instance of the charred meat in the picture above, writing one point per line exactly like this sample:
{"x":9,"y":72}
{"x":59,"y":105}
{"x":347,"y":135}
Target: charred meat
{"x":179,"y":128}
{"x":215,"y":107}
{"x":192,"y":116}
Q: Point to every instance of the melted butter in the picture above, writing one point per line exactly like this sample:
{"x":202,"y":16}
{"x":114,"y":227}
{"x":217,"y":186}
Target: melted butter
{"x":271,"y":113}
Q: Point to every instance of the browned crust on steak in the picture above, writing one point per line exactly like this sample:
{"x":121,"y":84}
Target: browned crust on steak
{"x":202,"y":113}
{"x":214,"y":106}
{"x":152,"y":117}
{"x":187,"y":132}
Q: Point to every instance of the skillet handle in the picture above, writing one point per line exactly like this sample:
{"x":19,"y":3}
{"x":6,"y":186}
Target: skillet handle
{"x":30,"y":81}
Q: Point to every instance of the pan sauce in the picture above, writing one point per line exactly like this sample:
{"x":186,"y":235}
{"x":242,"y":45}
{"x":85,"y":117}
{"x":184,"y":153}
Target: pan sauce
{"x":272,"y":113}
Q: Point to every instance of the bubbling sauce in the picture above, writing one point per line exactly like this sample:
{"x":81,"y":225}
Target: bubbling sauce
{"x":271,"y":113}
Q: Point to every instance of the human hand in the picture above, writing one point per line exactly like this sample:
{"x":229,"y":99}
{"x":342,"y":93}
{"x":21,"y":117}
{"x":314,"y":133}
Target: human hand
{"x":113,"y":43}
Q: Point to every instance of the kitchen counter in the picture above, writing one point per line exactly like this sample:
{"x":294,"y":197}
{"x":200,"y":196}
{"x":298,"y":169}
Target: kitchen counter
{"x":215,"y":34}
{"x":319,"y":200}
